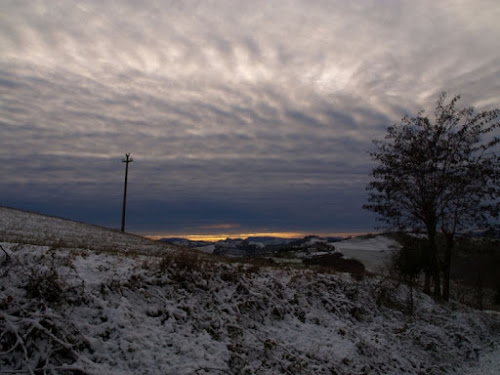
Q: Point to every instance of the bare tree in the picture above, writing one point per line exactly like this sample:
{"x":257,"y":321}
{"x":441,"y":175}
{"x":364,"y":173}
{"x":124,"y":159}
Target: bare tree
{"x":438,"y":178}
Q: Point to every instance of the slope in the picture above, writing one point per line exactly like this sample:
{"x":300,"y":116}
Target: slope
{"x":74,"y":310}
{"x":32,"y":228}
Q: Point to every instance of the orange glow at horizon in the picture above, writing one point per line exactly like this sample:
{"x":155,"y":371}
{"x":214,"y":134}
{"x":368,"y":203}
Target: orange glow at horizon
{"x":222,"y":236}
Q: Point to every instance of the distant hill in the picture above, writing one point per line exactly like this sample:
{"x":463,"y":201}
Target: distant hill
{"x":374,"y":252}
{"x":258,"y":246}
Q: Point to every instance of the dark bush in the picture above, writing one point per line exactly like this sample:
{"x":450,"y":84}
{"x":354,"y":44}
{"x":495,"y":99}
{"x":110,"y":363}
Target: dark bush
{"x":337,"y":262}
{"x":410,"y":260}
{"x":45,"y":285}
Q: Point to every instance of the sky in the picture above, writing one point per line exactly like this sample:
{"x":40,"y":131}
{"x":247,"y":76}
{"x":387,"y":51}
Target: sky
{"x":241,"y":116}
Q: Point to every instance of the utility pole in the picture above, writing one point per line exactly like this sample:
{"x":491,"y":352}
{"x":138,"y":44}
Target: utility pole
{"x":126,"y":161}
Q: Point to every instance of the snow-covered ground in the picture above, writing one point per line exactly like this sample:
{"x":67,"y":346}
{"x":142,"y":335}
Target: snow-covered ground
{"x":99,"y":310}
{"x":30,"y":228}
{"x":487,"y":364}
{"x":375,"y":252}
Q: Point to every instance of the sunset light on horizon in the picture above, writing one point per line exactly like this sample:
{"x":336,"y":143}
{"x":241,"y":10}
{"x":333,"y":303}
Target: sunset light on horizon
{"x":223,"y":236}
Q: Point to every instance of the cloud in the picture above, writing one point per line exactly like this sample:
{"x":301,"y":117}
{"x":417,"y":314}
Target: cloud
{"x":236,"y":101}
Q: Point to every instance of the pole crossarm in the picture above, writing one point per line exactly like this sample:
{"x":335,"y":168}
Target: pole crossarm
{"x":127,"y":159}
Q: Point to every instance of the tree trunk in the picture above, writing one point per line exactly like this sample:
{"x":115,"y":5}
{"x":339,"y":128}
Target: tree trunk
{"x":479,"y":291}
{"x":433,"y":260}
{"x":436,"y":276}
{"x":450,"y":243}
{"x":446,"y":283}
{"x":427,"y":281}
{"x":427,"y":269}
{"x":412,"y":302}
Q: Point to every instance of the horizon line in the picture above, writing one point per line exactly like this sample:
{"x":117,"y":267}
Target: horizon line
{"x":213,"y":237}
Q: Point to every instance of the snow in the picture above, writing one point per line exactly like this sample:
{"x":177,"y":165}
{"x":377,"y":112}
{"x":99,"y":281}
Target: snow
{"x":488,"y":360}
{"x":258,"y":245}
{"x":313,"y":241}
{"x":140,"y":307}
{"x":209,"y":249}
{"x":489,"y":364}
{"x":375,"y":253}
{"x":25,"y":227}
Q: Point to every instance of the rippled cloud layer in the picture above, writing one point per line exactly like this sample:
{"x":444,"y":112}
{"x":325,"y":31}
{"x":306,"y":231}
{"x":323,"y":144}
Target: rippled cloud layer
{"x":256,"y":114}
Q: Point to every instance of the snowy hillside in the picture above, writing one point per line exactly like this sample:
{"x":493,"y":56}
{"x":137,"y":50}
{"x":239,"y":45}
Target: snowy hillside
{"x":30,"y":228}
{"x":90,"y":308}
{"x":374,"y":253}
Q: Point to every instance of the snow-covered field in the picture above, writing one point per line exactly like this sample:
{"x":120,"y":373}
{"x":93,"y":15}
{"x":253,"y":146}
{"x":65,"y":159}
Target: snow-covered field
{"x":29,"y":228}
{"x":375,"y":253}
{"x":91,"y":301}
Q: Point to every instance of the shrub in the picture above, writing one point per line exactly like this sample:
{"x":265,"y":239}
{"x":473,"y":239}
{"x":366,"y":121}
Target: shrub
{"x":338,"y":263}
{"x":45,"y":285}
{"x":410,"y":260}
